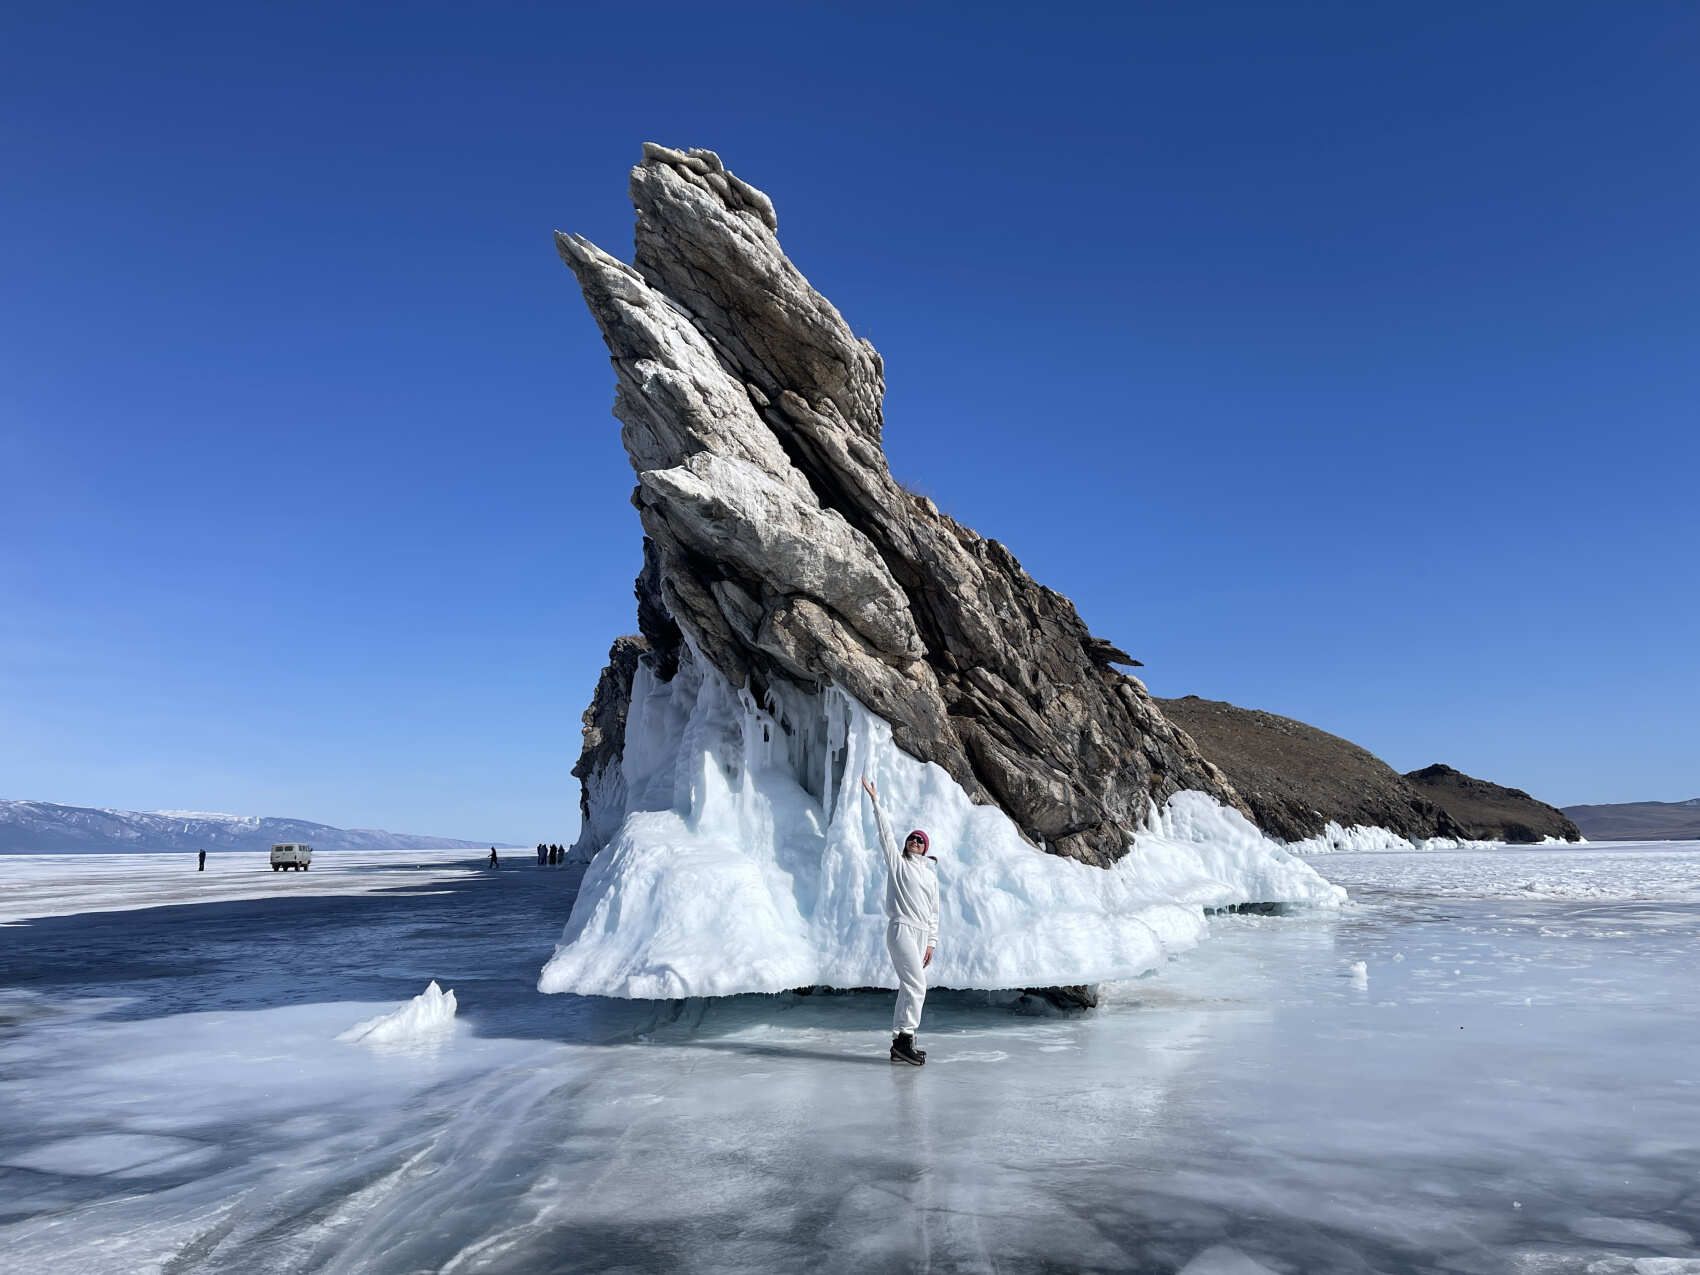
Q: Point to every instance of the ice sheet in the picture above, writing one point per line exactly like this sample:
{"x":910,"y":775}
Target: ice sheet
{"x":1512,"y":1091}
{"x":745,"y":861}
{"x":60,"y":885}
{"x":1601,"y":870}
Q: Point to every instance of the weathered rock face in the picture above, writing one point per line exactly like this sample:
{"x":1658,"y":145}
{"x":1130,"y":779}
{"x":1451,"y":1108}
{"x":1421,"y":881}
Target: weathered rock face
{"x":1489,"y":811}
{"x":780,"y":546}
{"x":1297,"y":779}
{"x":598,"y":768}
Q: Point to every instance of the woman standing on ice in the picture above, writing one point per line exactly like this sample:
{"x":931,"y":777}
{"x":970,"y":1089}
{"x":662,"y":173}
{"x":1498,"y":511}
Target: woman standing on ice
{"x":912,"y":921}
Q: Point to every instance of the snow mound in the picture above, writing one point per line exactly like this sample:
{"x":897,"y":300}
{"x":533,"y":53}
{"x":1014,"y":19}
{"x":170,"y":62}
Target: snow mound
{"x":428,"y":1014}
{"x":745,"y":859}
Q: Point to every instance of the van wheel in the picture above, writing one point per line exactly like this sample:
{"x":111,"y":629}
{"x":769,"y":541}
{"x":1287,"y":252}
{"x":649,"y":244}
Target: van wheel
{"x":274,"y":867}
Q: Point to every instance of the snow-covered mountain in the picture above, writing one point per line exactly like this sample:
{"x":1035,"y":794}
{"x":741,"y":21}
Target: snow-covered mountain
{"x":44,"y":826}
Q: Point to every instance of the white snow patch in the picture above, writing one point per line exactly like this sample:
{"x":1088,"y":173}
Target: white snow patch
{"x":214,"y":815}
{"x":1370,"y":838}
{"x":427,"y":1015}
{"x":745,"y":860}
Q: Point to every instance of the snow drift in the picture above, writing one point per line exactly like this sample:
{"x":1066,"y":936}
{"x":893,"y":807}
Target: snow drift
{"x":1370,"y":839}
{"x":744,"y":860}
{"x":426,"y":1016}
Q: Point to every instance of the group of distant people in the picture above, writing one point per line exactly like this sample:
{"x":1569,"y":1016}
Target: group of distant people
{"x":548,"y":855}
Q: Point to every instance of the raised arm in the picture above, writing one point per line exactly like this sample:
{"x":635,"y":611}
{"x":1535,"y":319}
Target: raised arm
{"x":887,"y":843}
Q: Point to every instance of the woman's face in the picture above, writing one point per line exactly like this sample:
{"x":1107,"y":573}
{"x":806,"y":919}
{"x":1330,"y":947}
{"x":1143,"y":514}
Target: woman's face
{"x":914,"y":845}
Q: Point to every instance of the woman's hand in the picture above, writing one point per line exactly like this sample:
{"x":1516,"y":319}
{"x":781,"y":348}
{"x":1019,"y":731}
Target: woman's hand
{"x":868,"y":787}
{"x":927,"y":959}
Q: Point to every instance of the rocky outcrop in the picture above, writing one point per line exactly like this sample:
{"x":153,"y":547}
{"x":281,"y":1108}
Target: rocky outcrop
{"x":780,"y":546}
{"x":1297,"y":779}
{"x":598,"y":768}
{"x":1489,"y":811}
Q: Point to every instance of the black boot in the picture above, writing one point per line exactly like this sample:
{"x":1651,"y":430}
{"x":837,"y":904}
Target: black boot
{"x":903,"y":1050}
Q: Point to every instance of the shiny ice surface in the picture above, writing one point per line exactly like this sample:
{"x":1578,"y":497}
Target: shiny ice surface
{"x":1485,"y":1063}
{"x":37,"y":885}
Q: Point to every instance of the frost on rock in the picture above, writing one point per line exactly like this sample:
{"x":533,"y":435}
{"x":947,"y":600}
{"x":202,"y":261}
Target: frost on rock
{"x":427,"y":1015}
{"x":745,"y":860}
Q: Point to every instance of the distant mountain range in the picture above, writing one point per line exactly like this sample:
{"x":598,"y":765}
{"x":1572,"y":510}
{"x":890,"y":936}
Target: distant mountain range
{"x":1639,"y":820}
{"x":45,"y":827}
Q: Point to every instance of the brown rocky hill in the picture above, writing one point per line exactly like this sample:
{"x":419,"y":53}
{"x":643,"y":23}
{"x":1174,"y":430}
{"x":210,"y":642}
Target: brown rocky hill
{"x":1490,"y":811}
{"x":1297,"y":779}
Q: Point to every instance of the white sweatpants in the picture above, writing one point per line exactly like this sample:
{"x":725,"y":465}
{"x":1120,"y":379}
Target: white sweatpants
{"x":907,"y":945}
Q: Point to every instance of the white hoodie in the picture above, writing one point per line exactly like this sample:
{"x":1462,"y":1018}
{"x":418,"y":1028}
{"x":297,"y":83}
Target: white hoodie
{"x":911,"y":884}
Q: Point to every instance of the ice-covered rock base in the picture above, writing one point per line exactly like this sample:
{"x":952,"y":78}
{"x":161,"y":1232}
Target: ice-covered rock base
{"x":745,"y":861}
{"x":1368,"y":839}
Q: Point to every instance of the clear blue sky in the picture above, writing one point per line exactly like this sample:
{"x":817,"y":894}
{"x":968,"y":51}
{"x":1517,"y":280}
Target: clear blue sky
{"x":1340,"y":360}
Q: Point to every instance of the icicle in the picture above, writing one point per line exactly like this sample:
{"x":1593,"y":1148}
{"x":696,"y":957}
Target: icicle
{"x":735,"y":808}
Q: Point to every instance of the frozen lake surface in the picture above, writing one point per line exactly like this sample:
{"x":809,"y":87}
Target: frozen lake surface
{"x":1488,"y":1062}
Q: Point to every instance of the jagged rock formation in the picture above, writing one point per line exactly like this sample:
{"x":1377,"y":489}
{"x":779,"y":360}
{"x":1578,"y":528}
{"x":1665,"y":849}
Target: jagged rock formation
{"x":1489,"y":811}
{"x":1638,"y":820}
{"x":601,"y":784}
{"x":781,"y":547}
{"x":1297,"y":779}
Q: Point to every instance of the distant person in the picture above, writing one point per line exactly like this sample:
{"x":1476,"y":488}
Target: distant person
{"x":494,"y":861}
{"x":912,"y":927}
{"x":542,"y":854}
{"x":202,"y":866}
